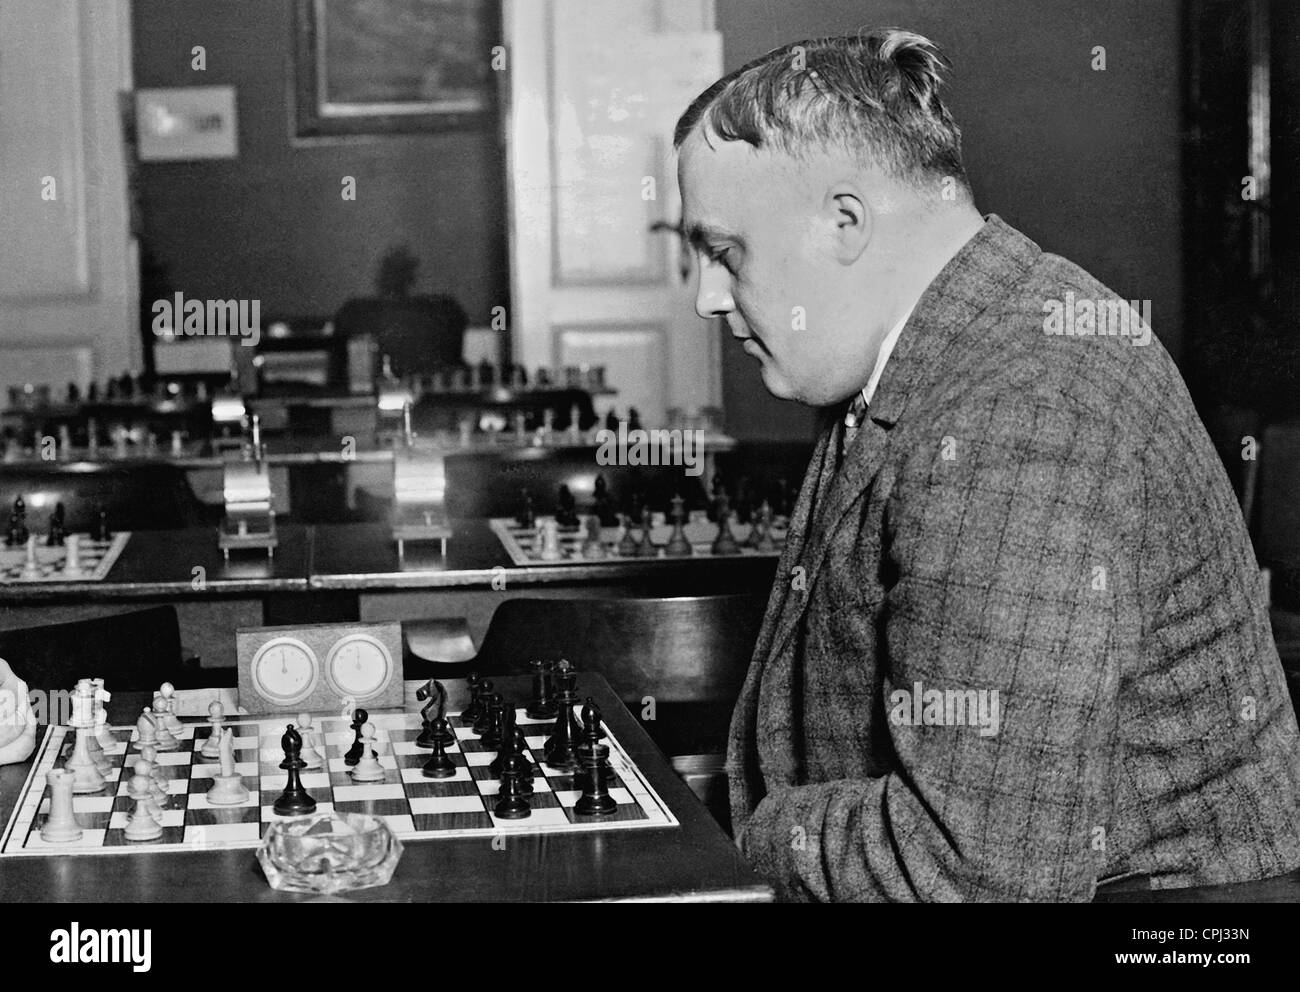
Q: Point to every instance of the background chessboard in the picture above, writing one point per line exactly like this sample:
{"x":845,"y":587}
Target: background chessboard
{"x":96,"y":557}
{"x":414,"y":807}
{"x":524,"y":548}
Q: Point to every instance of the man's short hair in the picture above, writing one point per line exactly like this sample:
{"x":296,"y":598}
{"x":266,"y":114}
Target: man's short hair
{"x":874,"y":95}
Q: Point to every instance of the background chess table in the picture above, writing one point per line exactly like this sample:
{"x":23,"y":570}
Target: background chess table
{"x":96,"y":558}
{"x":524,"y":548}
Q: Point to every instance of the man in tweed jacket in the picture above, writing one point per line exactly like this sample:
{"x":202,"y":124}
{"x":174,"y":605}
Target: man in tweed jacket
{"x":1018,"y":643}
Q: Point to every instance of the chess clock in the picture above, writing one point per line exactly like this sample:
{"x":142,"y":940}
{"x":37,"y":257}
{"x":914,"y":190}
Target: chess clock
{"x":318,"y":668}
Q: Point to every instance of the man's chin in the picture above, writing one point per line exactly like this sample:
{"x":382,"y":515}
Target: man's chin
{"x":777,"y":385}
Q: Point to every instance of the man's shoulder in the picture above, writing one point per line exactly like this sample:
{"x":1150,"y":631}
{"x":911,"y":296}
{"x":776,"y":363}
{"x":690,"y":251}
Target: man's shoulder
{"x":1060,"y":336}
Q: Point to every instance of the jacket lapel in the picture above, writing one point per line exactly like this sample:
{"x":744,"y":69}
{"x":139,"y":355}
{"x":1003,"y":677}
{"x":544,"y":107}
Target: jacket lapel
{"x":742,"y":761}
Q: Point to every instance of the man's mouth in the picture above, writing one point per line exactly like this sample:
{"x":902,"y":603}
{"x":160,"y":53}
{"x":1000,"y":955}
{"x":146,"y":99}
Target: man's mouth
{"x":751,"y":344}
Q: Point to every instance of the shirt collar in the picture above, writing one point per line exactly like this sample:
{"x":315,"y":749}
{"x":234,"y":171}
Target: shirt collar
{"x":860,"y":402}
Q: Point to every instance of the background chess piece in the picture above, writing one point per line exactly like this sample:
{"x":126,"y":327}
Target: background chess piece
{"x":526,"y":518}
{"x":627,"y":543}
{"x":17,"y":721}
{"x":567,"y":515}
{"x":603,"y":505}
{"x":678,"y":546}
{"x":591,"y":545}
{"x":725,"y":542}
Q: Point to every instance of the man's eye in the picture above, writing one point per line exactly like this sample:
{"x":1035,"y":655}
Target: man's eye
{"x":722,"y":257}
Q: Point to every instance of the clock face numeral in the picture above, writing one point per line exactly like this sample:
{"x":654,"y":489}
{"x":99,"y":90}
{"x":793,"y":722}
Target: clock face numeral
{"x":285,"y":670}
{"x":359,"y":666}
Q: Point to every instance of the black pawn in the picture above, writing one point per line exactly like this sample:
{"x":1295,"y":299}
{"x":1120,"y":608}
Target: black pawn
{"x":294,"y":801}
{"x":543,"y":705}
{"x":18,"y":524}
{"x":470,"y":712}
{"x":439,"y":765}
{"x":725,"y":542}
{"x":627,"y":545}
{"x":647,"y":548}
{"x":491,"y":735}
{"x":526,"y":771}
{"x":99,"y":531}
{"x":353,"y":755}
{"x":479,"y":696}
{"x":558,"y":751}
{"x":58,"y":527}
{"x":567,"y":515}
{"x":512,"y":805}
{"x":593,"y":758}
{"x":505,"y":741}
{"x":526,"y":518}
{"x":603,"y":505}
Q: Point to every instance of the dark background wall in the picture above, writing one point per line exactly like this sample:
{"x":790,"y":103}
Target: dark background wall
{"x":271,"y":224}
{"x":1086,"y":163}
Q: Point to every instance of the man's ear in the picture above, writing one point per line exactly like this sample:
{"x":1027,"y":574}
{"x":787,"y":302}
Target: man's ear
{"x":853,"y":223}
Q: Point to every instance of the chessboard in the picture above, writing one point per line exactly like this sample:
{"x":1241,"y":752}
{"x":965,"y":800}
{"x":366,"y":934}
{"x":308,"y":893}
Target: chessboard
{"x":523,"y":544}
{"x":414,"y":807}
{"x":96,"y":558}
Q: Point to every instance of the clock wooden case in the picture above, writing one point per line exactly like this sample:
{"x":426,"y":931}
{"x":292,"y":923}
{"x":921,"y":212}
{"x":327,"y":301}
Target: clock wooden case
{"x":320,"y":667}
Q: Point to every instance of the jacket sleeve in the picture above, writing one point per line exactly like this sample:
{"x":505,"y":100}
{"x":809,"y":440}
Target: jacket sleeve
{"x":1007,"y":526}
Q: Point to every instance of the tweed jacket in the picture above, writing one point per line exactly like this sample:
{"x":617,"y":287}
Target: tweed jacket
{"x":1018,"y":642}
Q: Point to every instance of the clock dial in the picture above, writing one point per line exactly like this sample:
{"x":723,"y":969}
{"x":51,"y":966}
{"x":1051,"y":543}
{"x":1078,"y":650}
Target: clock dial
{"x":285,"y":670}
{"x":359,"y":666}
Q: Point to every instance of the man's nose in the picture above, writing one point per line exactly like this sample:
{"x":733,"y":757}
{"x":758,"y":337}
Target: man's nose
{"x":713,"y":297}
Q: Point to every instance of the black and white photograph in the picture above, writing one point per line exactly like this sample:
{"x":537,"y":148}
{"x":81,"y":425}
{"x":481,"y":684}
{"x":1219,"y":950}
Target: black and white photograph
{"x":515,"y":452}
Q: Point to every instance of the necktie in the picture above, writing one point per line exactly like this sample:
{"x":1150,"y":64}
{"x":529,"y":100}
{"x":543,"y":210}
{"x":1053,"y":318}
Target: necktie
{"x":853,"y":419}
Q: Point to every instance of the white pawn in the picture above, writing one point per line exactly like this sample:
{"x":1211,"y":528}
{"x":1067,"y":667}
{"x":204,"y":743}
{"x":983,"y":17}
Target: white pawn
{"x":157,"y":794}
{"x":368,"y":769}
{"x":216,"y":717}
{"x":150,"y":754}
{"x":146,"y":767}
{"x":227,"y":788}
{"x":60,"y":826}
{"x":550,"y":540}
{"x":162,"y":738}
{"x":309,"y":752}
{"x":170,"y":719}
{"x":72,"y":556}
{"x":143,"y":825}
{"x":87,"y":776}
{"x":31,"y":567}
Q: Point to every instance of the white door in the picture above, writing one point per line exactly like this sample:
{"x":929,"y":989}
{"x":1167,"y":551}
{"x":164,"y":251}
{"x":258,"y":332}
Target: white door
{"x":595,"y":89}
{"x":68,"y":275}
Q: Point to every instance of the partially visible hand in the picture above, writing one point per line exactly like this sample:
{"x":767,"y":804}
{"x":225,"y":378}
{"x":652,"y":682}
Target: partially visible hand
{"x":17,"y":721}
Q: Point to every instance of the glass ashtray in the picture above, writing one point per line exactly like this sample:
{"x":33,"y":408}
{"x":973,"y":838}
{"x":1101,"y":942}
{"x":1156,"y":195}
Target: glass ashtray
{"x":329,"y":853}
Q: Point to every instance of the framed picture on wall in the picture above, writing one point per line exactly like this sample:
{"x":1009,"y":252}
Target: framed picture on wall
{"x":394,"y":66}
